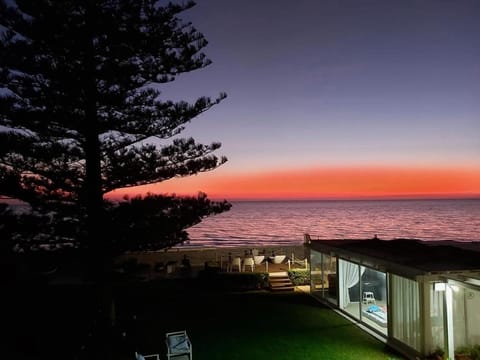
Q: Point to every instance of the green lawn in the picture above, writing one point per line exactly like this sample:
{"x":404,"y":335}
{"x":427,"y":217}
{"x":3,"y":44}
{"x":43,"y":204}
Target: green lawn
{"x":259,"y":325}
{"x":55,"y":322}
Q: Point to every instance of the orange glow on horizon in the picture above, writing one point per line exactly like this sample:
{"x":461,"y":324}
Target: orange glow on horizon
{"x":324,"y":183}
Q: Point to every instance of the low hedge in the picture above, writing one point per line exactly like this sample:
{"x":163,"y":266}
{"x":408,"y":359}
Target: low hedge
{"x":299,"y":276}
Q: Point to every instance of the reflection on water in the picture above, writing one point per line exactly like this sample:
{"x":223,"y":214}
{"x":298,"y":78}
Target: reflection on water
{"x":285,"y":222}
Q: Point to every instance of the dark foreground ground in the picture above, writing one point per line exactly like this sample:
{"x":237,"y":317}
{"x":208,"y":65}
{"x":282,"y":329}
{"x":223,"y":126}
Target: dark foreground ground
{"x":58,"y":322}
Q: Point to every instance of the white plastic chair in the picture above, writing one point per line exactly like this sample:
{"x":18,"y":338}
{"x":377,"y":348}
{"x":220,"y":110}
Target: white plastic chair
{"x":178,"y":344}
{"x":236,"y":263}
{"x":144,"y":357}
{"x":248,"y":262}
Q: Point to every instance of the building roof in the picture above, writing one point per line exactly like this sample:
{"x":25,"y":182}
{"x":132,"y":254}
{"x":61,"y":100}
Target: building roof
{"x":413,"y":256}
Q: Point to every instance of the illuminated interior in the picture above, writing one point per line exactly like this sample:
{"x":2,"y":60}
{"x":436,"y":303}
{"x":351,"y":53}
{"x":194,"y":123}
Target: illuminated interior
{"x":393,"y":305}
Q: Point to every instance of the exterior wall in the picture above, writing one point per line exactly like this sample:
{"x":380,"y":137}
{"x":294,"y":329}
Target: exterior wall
{"x":406,"y":319}
{"x":421,"y":316}
{"x":472,"y":311}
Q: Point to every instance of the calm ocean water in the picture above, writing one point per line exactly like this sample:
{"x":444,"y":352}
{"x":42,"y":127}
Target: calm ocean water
{"x":257,"y":223}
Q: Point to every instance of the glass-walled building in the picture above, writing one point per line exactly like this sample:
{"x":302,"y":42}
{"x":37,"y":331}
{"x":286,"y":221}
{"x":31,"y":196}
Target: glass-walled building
{"x":420,"y":296}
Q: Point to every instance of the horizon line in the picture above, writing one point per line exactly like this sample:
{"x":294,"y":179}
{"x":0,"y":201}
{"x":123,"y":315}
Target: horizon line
{"x":357,"y":198}
{"x":347,"y":199}
{"x":259,"y":199}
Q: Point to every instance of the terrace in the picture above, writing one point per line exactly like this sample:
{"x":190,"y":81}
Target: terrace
{"x":170,"y":264}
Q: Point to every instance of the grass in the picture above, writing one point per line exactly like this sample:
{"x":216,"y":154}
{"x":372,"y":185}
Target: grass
{"x":54,"y":322}
{"x":258,"y":325}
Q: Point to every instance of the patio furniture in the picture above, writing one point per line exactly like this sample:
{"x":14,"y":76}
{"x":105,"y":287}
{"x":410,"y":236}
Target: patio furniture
{"x":236,"y":263}
{"x":278,"y":259}
{"x":248,"y":262}
{"x":368,"y":297}
{"x":145,"y":357}
{"x":257,"y":259}
{"x":178,"y":345}
{"x":296,"y":263}
{"x":171,"y":265}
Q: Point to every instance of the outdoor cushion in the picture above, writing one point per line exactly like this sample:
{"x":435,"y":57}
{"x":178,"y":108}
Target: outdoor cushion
{"x":373,"y":308}
{"x":178,"y":343}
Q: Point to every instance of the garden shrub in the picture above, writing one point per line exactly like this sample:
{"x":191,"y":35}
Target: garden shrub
{"x":299,"y":276}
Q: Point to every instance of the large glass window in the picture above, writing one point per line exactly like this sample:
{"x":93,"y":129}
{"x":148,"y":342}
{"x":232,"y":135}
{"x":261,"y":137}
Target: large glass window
{"x":349,"y":280}
{"x":405,"y":311}
{"x":323,"y":276}
{"x":373,"y":299}
{"x":363,"y":294}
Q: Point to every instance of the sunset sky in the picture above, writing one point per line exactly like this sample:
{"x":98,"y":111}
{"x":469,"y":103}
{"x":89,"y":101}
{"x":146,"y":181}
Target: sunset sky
{"x":336,"y":99}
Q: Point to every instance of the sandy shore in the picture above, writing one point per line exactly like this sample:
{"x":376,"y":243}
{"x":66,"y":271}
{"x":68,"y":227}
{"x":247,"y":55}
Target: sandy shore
{"x":199,"y":256}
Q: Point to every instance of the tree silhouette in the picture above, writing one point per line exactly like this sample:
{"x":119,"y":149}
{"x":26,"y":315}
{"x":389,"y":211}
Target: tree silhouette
{"x":81,"y":114}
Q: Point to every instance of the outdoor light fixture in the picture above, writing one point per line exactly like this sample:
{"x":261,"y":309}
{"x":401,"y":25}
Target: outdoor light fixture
{"x":439,"y":286}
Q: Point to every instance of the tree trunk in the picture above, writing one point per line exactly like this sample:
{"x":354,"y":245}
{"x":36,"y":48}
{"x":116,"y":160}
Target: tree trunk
{"x":99,"y":247}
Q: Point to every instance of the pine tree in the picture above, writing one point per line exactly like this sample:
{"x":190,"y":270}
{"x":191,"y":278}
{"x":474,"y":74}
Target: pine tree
{"x":81,"y":114}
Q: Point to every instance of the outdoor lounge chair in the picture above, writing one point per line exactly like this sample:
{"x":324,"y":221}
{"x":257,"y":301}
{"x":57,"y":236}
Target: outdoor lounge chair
{"x":278,"y":259}
{"x":178,"y":345}
{"x":258,"y":259}
{"x":145,"y":357}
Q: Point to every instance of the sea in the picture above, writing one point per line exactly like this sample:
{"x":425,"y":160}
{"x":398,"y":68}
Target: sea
{"x":284,"y":223}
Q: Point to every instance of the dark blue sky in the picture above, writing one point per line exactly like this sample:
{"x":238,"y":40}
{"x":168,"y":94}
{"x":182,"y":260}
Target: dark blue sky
{"x":352,"y":84}
{"x":339,"y":82}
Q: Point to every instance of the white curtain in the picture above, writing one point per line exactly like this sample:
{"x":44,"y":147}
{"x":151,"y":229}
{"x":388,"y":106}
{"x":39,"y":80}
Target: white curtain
{"x":405,"y":307}
{"x":436,"y":317}
{"x":348,"y":277}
